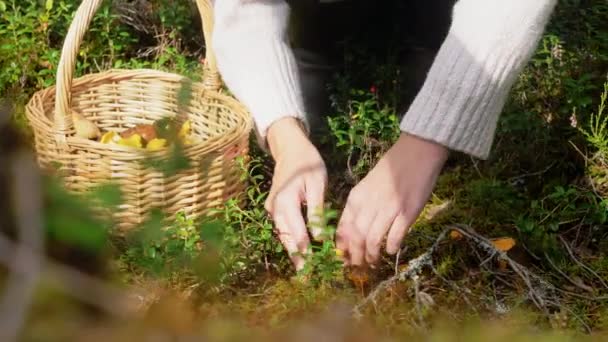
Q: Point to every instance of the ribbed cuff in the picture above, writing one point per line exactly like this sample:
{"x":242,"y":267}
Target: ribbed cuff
{"x":466,"y":88}
{"x":459,"y":103}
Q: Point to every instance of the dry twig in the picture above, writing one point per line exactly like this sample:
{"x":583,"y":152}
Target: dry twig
{"x":540,"y":292}
{"x":580,"y":263}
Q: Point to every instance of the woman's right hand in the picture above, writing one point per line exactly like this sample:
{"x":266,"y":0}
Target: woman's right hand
{"x":300,"y":177}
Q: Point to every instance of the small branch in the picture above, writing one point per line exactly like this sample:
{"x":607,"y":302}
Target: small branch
{"x":398,"y":258}
{"x":580,"y":263}
{"x":416,"y":280}
{"x":572,"y":281}
{"x":414,"y":267}
{"x":531,"y":174}
{"x":540,"y":292}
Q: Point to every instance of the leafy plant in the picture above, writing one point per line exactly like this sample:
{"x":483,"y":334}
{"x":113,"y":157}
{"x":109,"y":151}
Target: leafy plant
{"x":597,"y":132}
{"x":565,"y":206}
{"x":323,"y":261}
{"x":165,"y":250}
{"x":365,"y":133}
{"x":247,"y":231}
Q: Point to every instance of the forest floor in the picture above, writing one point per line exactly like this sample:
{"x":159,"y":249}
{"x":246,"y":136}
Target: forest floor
{"x":511,"y":248}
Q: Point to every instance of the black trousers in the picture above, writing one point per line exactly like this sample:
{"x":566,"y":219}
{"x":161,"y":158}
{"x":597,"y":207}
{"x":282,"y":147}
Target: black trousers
{"x":318,"y":33}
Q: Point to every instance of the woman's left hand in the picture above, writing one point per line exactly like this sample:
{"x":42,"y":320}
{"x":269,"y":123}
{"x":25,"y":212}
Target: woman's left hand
{"x":389,"y":199}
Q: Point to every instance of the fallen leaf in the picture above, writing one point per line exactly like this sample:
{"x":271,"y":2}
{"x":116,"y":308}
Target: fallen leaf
{"x":503,"y":244}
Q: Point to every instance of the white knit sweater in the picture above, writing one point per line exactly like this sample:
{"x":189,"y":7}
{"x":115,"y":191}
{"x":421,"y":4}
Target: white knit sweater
{"x":488,"y":44}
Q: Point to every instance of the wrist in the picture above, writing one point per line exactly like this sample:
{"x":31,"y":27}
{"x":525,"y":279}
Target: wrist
{"x":285,"y":133}
{"x":426,"y":149}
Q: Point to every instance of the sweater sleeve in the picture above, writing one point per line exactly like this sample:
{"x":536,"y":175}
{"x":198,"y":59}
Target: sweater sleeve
{"x":488,"y":44}
{"x":250,"y":41}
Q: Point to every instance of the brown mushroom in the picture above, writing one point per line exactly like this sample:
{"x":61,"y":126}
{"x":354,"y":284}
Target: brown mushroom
{"x":147,"y":132}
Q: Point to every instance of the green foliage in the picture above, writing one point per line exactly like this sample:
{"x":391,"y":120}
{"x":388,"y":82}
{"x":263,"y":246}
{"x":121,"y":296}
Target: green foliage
{"x":365,"y":132}
{"x":565,"y":206}
{"x":533,"y":180}
{"x":238,"y":238}
{"x":563,"y":75}
{"x":70,"y":218}
{"x":582,"y":24}
{"x":597,"y":133}
{"x":323,"y":265}
{"x":248,"y":230}
{"x":164,"y":250}
{"x":171,"y":164}
{"x":494,"y":198}
{"x":32,"y":35}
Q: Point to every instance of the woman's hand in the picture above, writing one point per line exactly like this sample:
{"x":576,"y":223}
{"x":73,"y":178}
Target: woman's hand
{"x":299,"y":178}
{"x":389,"y":199}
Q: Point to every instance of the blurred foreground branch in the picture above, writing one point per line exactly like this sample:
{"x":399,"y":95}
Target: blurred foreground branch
{"x":22,"y":242}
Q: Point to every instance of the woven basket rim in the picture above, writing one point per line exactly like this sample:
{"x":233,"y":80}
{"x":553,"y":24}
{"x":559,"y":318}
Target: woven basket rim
{"x":213,"y":144}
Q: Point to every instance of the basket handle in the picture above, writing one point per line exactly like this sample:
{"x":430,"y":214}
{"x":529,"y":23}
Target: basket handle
{"x":67,"y":63}
{"x":211,"y":77}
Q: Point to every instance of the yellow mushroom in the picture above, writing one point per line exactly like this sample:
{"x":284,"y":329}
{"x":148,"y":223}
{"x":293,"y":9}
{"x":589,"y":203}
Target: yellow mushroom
{"x":156,"y":144}
{"x":185,"y":131}
{"x":108,"y":137}
{"x":133,"y":141}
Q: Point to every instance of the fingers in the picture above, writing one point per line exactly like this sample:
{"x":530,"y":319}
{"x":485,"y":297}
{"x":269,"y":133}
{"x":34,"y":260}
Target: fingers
{"x":352,"y":230}
{"x":291,"y":227}
{"x":343,"y":232}
{"x":373,"y":241}
{"x":400,"y":226}
{"x":315,"y":197}
{"x":269,"y":203}
{"x":356,"y":248}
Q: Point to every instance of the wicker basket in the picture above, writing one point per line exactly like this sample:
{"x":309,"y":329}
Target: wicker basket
{"x":119,"y":99}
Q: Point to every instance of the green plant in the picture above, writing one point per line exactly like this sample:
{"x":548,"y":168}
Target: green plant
{"x":247,"y":231}
{"x":597,"y":133}
{"x":493,"y":198}
{"x":564,"y":207}
{"x":323,"y":265}
{"x":365,"y":133}
{"x":32,"y":35}
{"x":165,"y":250}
